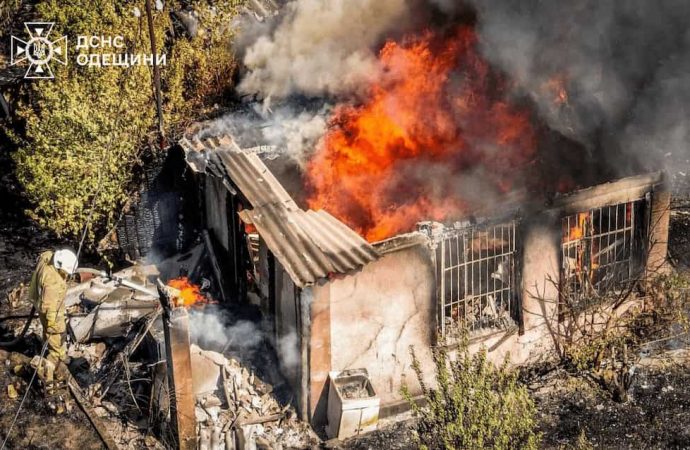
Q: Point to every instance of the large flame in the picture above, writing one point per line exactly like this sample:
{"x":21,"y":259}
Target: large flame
{"x":435,"y":116}
{"x":189,"y":295}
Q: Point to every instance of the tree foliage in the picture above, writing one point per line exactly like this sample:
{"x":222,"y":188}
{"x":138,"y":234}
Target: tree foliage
{"x":475,"y":405}
{"x":81,"y":135}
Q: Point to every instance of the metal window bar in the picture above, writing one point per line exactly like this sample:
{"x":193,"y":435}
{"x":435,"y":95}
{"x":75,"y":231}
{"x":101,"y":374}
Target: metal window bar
{"x":598,"y":251}
{"x":476,"y":273}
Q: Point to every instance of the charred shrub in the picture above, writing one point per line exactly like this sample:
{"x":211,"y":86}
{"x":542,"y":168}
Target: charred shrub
{"x":474,"y":405}
{"x":605,"y":340}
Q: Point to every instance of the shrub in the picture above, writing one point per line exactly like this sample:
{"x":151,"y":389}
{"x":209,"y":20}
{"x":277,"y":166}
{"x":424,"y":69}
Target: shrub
{"x":475,"y":405}
{"x":80,"y":137}
{"x":604,"y":343}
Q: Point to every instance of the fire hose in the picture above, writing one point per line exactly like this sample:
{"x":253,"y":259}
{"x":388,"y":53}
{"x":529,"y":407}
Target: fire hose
{"x":32,"y":315}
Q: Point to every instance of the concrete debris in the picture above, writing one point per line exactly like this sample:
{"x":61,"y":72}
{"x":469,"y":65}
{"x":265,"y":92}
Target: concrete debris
{"x":205,"y":372}
{"x":12,"y":392}
{"x":118,"y":353}
{"x":250,"y":417}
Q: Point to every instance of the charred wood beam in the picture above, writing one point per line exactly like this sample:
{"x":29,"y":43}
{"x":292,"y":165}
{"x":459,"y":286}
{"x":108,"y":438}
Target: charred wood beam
{"x":95,"y":421}
{"x":126,"y":352}
{"x":179,"y":365}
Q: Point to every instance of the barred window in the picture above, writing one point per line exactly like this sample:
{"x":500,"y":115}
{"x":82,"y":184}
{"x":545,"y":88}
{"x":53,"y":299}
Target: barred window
{"x":599,"y":250}
{"x":477,"y":279}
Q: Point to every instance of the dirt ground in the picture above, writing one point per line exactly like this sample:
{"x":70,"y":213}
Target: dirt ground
{"x":20,"y":242}
{"x":656,"y":416}
{"x":37,"y":427}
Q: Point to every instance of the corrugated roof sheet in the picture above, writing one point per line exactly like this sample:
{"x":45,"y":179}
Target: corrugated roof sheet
{"x":308,"y":244}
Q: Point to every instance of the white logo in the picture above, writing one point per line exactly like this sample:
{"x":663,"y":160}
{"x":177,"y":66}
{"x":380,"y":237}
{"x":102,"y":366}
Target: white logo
{"x":39,"y":51}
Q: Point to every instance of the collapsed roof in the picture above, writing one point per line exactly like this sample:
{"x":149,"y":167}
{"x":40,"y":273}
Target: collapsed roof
{"x":309,"y":244}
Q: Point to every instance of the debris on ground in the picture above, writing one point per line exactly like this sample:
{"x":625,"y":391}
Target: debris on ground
{"x":656,"y":416}
{"x":117,"y":358}
{"x":233,"y":401}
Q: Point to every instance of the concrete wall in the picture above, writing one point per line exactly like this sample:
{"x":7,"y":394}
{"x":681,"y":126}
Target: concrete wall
{"x":659,"y":218}
{"x":375,"y":315}
{"x":541,"y":261}
{"x":370,"y":318}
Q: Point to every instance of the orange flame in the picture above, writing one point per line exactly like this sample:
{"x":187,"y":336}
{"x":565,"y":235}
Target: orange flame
{"x":434,"y":116}
{"x":190,"y":293}
{"x":555,"y":87}
{"x":577,"y":229}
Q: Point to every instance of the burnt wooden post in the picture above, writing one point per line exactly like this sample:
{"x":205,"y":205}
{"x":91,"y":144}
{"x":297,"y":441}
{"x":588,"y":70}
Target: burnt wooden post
{"x":179,"y":363}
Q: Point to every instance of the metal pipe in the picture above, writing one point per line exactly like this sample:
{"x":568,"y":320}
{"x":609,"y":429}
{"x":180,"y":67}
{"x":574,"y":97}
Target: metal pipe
{"x":119,"y":280}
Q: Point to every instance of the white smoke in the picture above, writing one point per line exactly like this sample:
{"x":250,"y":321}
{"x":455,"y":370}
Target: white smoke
{"x":288,"y":348}
{"x":293,"y":131}
{"x":211,"y":329}
{"x":319,"y":48}
{"x":311,"y":49}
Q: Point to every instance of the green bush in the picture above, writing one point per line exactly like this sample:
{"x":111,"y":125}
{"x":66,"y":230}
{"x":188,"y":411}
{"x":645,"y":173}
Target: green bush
{"x":80,"y":137}
{"x":475,"y":405}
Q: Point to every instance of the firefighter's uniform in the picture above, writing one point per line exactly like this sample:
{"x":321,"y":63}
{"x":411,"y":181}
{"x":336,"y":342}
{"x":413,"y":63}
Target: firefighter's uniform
{"x":47,"y":292}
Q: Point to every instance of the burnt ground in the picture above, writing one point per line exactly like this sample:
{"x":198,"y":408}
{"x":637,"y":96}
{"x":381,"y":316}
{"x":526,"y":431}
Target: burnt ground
{"x":37,"y":427}
{"x":20,"y":243}
{"x":656,"y":416}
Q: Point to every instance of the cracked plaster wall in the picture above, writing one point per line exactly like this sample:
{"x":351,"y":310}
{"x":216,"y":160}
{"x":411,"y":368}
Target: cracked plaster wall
{"x":378,"y":313}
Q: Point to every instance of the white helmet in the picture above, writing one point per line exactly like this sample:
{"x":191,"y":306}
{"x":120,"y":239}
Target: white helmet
{"x":66,"y":261}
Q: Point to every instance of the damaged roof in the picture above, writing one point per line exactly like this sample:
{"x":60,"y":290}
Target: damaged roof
{"x":310,"y":245}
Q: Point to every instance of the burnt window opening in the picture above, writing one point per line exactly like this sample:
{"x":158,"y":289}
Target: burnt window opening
{"x":602,"y":252}
{"x":477,"y":274}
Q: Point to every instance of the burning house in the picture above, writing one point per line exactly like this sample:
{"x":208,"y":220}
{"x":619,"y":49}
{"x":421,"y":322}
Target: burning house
{"x":415,"y":188}
{"x":344,"y":303}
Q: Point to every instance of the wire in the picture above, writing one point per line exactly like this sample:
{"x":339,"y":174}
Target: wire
{"x":28,"y":388}
{"x":45,"y":344}
{"x":81,"y":244}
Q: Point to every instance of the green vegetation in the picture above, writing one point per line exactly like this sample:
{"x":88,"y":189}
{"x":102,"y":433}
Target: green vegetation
{"x":475,"y":405}
{"x":7,"y":10}
{"x":80,"y":137}
{"x":582,"y":443}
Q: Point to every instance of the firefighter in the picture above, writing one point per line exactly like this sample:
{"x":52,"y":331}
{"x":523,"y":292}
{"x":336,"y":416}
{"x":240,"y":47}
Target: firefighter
{"x":47,"y":293}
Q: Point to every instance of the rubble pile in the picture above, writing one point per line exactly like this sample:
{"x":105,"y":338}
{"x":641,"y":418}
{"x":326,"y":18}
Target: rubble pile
{"x":236,"y":409}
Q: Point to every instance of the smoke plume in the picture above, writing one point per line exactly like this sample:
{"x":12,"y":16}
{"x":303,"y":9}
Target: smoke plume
{"x":318,"y":48}
{"x":213,"y":328}
{"x":610,"y":75}
{"x":389,"y":124}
